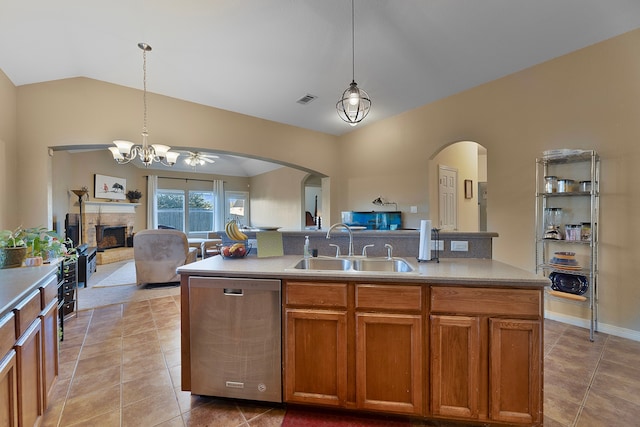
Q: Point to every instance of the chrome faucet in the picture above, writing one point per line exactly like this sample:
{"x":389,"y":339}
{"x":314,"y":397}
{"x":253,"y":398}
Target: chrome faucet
{"x":364,"y":249}
{"x":350,"y":235}
{"x":389,"y":250}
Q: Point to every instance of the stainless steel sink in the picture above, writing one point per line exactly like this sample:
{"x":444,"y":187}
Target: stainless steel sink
{"x":334,"y":264}
{"x":396,"y":265}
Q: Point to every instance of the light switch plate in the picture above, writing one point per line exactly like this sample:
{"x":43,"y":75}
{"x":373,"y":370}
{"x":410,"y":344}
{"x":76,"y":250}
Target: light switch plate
{"x":459,"y":246}
{"x":414,"y":209}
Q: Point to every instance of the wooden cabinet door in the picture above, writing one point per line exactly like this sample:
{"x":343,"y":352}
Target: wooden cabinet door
{"x":455,"y":366}
{"x":515,"y":378}
{"x":389,"y":362}
{"x":8,"y":390}
{"x":29,"y":362}
{"x":316,"y":356}
{"x":49,"y":319}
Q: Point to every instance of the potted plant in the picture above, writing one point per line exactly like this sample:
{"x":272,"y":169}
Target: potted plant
{"x":134,"y":195}
{"x":13,"y":247}
{"x":36,"y":245}
{"x":46,"y":243}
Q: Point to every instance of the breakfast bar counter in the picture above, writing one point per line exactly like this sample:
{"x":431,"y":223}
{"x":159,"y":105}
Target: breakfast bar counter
{"x":459,"y":339}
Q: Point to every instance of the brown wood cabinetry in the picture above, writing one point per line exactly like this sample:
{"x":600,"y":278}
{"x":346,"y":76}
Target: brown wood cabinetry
{"x":8,"y":372}
{"x":389,"y":341}
{"x":49,"y":323}
{"x":315,"y":357}
{"x":336,"y":333}
{"x":29,"y":354}
{"x":455,"y":352}
{"x":29,"y":362}
{"x":485,"y":354}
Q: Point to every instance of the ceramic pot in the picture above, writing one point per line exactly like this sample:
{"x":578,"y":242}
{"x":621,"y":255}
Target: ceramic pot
{"x":12,"y":257}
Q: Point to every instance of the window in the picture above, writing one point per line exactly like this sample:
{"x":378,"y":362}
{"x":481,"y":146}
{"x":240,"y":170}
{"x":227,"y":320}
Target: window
{"x":195,"y":216}
{"x":237,"y":206}
{"x":171,"y":209}
{"x":201,"y":210}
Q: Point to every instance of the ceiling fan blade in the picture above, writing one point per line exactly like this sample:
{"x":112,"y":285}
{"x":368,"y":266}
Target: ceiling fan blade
{"x":207,"y":160}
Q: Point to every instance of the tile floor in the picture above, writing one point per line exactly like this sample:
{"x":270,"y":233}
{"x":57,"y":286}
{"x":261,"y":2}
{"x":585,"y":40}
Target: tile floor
{"x":120,"y":366}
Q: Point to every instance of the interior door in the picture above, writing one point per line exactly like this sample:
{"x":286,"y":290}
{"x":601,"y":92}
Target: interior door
{"x":447,"y":197}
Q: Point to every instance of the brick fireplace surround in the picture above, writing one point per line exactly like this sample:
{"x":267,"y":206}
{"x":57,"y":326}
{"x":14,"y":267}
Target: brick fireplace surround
{"x":111,"y":214}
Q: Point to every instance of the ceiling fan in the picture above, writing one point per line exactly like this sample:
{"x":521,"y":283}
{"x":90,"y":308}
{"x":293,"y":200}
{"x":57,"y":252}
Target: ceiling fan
{"x":196,"y":158}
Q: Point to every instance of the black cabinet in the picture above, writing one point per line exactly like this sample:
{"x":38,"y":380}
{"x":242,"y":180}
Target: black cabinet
{"x":67,"y":291}
{"x":86,"y":265}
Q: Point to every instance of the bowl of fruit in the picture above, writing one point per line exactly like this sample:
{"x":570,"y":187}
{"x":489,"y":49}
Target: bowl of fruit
{"x":235,"y":250}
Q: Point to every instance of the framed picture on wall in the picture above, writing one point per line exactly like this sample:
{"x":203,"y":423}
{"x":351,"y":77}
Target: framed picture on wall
{"x":468,"y":189}
{"x":110,"y":187}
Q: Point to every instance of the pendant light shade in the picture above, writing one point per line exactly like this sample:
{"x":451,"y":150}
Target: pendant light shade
{"x":354,"y":105}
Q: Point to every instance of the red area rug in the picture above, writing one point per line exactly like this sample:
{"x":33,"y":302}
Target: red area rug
{"x":298,"y":417}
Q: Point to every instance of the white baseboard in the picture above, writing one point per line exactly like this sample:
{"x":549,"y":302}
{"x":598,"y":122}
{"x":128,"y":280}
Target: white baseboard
{"x":602,"y":327}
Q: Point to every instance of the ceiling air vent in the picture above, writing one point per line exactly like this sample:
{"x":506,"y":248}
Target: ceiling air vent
{"x":306,"y":99}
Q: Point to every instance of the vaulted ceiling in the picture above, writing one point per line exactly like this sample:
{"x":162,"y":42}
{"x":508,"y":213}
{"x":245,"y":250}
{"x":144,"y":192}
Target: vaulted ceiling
{"x":258,"y":57}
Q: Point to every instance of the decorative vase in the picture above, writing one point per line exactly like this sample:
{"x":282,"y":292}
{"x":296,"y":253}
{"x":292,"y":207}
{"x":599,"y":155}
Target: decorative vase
{"x":12,"y":257}
{"x":134,"y":200}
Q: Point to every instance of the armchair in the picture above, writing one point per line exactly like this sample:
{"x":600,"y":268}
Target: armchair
{"x":158,"y":253}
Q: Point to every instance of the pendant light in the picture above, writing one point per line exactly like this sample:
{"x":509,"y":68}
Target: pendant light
{"x":355,"y":103}
{"x":125,"y":151}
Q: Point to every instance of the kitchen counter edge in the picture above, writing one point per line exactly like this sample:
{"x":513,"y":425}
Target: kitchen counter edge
{"x":468,"y":272}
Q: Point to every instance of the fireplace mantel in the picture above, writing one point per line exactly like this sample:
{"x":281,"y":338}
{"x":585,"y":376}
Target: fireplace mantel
{"x":110,"y":207}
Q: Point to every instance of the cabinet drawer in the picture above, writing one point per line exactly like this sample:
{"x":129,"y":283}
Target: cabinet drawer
{"x":316,"y":294}
{"x":48,"y":292}
{"x":68,"y":296}
{"x":27,"y":311}
{"x":68,"y":308}
{"x":389,"y":297}
{"x":7,"y":333}
{"x":478,"y":301}
{"x":68,"y":287}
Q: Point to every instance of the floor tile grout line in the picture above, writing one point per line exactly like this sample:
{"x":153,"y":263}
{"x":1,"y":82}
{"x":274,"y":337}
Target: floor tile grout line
{"x":593,"y":376}
{"x":166,"y":365}
{"x":73,"y":373}
{"x":121,"y":405}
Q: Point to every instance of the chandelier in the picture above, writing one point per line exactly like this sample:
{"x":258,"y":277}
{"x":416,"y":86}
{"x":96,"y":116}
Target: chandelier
{"x":355,"y":103}
{"x":126,"y":151}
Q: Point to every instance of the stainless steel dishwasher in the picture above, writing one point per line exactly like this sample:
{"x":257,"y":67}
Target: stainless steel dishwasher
{"x":235,"y":338}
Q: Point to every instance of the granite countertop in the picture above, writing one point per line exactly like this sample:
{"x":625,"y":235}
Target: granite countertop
{"x":17,"y":283}
{"x":468,"y":272}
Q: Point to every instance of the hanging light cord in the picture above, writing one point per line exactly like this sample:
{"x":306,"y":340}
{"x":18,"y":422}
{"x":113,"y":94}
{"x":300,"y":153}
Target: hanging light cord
{"x":353,"y":43}
{"x":144,"y":92}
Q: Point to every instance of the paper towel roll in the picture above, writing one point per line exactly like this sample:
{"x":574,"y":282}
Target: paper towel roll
{"x":424,"y":251}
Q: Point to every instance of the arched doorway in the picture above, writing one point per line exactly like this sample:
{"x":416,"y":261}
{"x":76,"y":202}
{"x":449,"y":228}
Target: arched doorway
{"x":460,"y":202}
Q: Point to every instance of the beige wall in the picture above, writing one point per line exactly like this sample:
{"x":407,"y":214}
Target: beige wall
{"x":82,"y":111}
{"x":587,"y":99}
{"x":8,"y":143}
{"x":277,"y":198}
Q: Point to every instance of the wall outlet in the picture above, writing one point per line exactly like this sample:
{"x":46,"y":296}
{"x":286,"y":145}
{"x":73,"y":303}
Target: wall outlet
{"x":459,"y":246}
{"x":414,"y":209}
{"x":440,"y":246}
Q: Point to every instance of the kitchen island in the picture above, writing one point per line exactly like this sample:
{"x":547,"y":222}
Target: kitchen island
{"x":460,"y":339}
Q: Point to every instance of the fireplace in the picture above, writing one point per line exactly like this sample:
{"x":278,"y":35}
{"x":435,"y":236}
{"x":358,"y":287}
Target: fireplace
{"x":109,"y":236}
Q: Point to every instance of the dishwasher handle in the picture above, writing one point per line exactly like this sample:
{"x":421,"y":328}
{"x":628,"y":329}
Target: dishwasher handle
{"x":233,"y":292}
